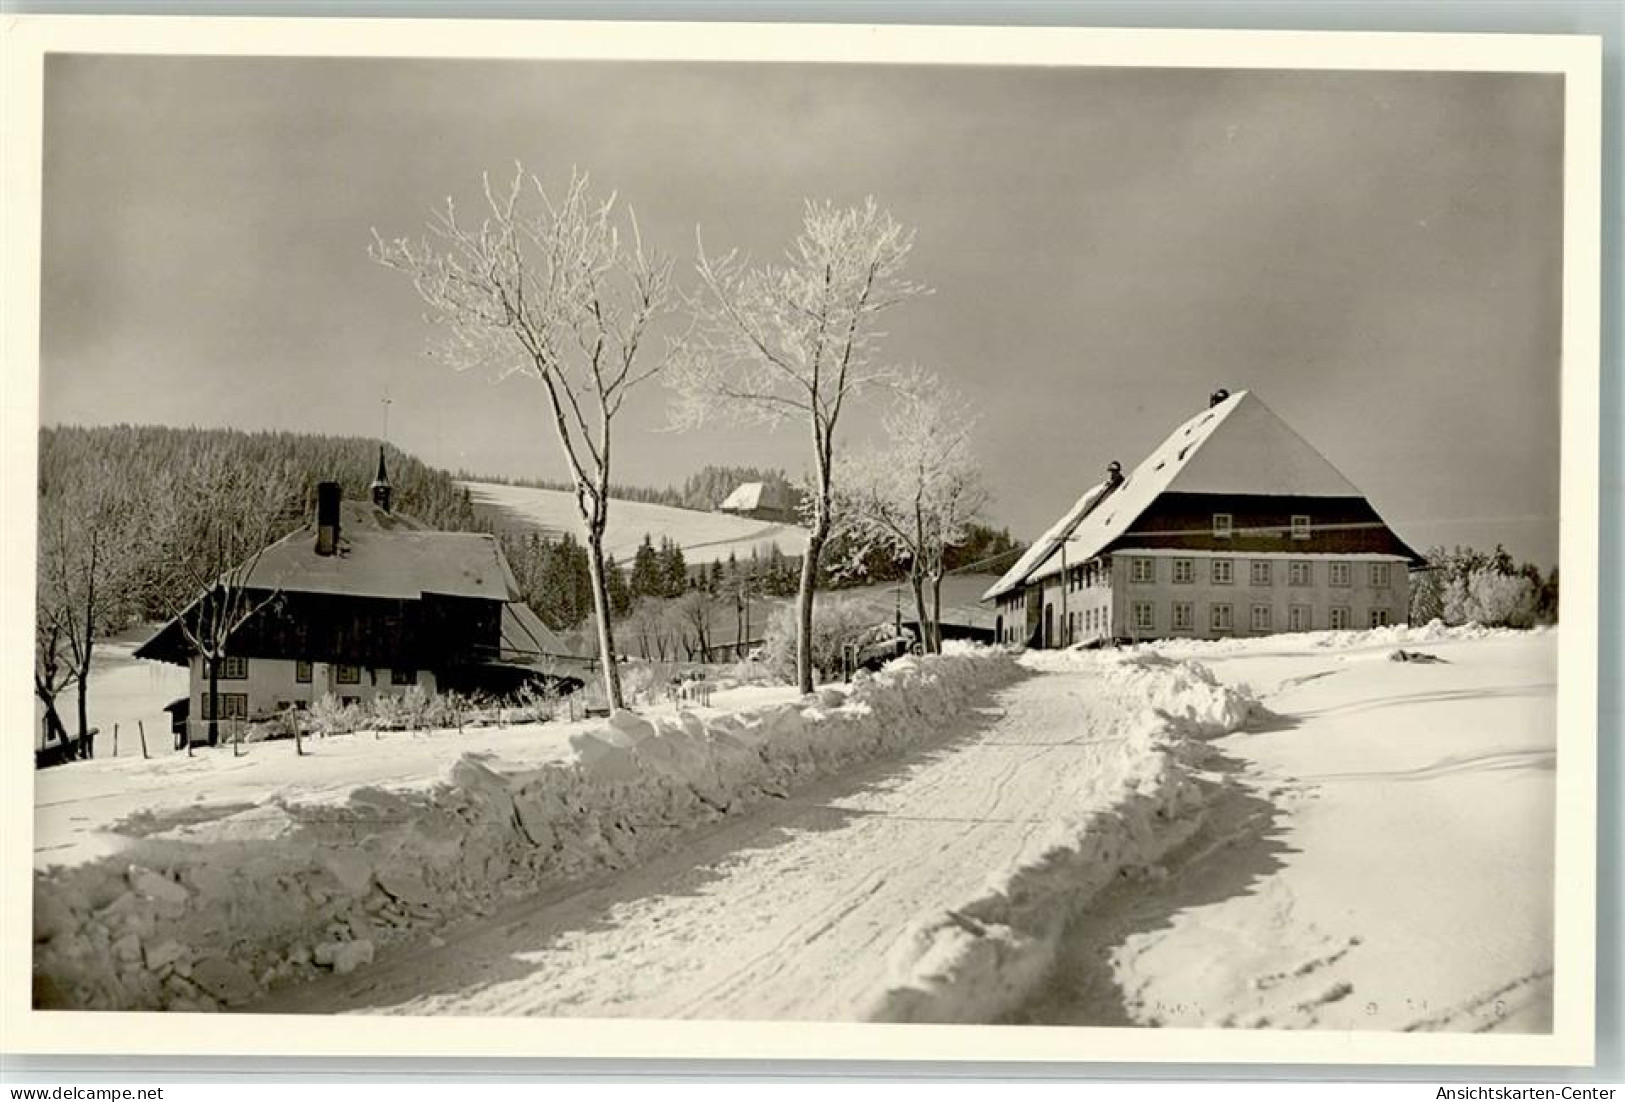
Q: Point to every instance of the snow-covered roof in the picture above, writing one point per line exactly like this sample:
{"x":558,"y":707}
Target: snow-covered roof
{"x":755,"y":495}
{"x":525,"y":639}
{"x":386,"y":555}
{"x":1238,"y":446}
{"x":1045,"y":545}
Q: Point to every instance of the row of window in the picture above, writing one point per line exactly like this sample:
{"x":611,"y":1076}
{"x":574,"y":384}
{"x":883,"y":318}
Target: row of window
{"x":1221,"y":617}
{"x":1224,"y":526}
{"x":1261,"y":572}
{"x":235,"y":668}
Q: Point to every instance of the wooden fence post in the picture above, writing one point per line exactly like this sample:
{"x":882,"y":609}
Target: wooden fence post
{"x":115,"y":740}
{"x":142,"y":728}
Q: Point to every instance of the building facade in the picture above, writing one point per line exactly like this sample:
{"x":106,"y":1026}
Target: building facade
{"x":1235,"y":526}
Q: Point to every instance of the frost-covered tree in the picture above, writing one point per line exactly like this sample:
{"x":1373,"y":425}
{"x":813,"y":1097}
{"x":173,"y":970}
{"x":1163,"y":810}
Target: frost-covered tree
{"x":565,"y":295}
{"x":794,"y":342}
{"x":1491,"y":598}
{"x":914,"y":496}
{"x":210,"y":556}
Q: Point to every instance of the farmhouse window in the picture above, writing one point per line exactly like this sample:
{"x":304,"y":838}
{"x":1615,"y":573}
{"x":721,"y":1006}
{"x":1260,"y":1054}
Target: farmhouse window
{"x":1340,"y":574}
{"x":1184,"y":571}
{"x":1339,"y":618}
{"x":1184,"y":616}
{"x":1303,"y":573}
{"x":403,"y":677}
{"x":302,"y":672}
{"x":1300,"y":527}
{"x":348,"y":675}
{"x":1379,"y":618}
{"x":1380,"y":575}
{"x":1300,"y":618}
{"x":1220,"y":618}
{"x":1261,"y":617}
{"x":233,"y":667}
{"x":1224,"y":571}
{"x":1142,"y":570}
{"x":1223,"y":525}
{"x":1145,"y":618}
{"x":232,"y":706}
{"x":1261,"y":572}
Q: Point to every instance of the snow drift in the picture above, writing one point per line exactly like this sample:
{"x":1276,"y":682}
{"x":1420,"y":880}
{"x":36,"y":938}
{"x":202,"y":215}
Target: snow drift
{"x":200,"y":915}
{"x":975,"y":961}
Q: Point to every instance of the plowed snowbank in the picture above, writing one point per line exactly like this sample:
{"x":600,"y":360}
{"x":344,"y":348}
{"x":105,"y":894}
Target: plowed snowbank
{"x":211,"y":913}
{"x":972,"y":962}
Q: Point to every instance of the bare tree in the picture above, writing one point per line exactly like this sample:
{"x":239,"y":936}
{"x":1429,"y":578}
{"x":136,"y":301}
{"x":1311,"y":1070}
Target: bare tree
{"x":562,"y":297}
{"x":210,"y":583}
{"x":695,"y":612}
{"x":81,"y":590}
{"x":794,"y":342}
{"x":914,"y":497}
{"x":53,"y":673}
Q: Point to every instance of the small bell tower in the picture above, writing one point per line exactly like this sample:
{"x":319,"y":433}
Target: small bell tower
{"x":382,"y":491}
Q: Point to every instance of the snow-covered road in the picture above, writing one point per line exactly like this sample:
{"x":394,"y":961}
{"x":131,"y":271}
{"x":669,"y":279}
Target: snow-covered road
{"x":792,"y":912}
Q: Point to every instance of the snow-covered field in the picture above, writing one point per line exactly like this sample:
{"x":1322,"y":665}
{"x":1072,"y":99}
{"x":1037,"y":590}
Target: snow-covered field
{"x":704,"y":537}
{"x":124,"y":691}
{"x":1382,"y":860}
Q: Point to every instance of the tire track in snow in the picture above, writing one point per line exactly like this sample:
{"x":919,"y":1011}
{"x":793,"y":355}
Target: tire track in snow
{"x":798,"y":915}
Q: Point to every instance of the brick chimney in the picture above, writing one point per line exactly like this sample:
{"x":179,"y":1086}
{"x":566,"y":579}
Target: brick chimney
{"x":1114,"y":474}
{"x":1216,"y":397}
{"x":328,"y":496}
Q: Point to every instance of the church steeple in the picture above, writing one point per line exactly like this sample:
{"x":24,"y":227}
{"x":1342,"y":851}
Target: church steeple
{"x":381,"y":489}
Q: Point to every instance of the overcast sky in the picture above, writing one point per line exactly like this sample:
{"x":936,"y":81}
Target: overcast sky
{"x":1378,"y":256}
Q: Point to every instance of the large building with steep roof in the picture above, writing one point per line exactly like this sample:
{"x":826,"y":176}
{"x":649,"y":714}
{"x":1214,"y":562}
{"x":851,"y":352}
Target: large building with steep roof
{"x":370,"y":602}
{"x":1234,"y":526}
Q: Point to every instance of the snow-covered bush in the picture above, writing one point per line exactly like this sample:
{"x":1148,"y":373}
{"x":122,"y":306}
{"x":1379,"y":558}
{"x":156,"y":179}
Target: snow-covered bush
{"x":837,"y":623}
{"x":329,"y":717}
{"x":1492,"y":599}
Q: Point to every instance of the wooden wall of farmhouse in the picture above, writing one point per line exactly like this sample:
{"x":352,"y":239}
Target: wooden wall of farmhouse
{"x":431,"y":633}
{"x":1261,"y":522}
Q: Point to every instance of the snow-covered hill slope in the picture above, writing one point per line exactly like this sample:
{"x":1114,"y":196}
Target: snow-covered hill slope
{"x":704,"y":537}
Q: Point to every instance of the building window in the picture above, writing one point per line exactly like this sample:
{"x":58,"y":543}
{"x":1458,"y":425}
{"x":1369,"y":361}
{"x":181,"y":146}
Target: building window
{"x":1380,"y":575}
{"x":1302,"y":573}
{"x":1219,"y":618}
{"x":1145,"y":618}
{"x":1142,"y":569}
{"x":1339,"y":618}
{"x":1223,"y":525}
{"x":1184,"y":616}
{"x":1340,"y":574}
{"x":1380,"y":618}
{"x":1261,"y":617}
{"x":1261,"y":572}
{"x":232,"y":706}
{"x":1300,"y":527}
{"x":1224,"y":571}
{"x":347,"y":675}
{"x":350,"y":701}
{"x":233,"y":667}
{"x":302,"y":672}
{"x":403,"y":677}
{"x":1300,"y":618}
{"x":1184,"y":571}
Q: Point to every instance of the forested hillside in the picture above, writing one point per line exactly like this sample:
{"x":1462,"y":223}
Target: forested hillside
{"x":144,"y":467}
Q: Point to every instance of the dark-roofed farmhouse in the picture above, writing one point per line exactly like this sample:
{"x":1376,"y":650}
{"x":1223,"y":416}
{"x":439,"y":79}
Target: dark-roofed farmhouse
{"x":370,"y":602}
{"x":1235,"y":526}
